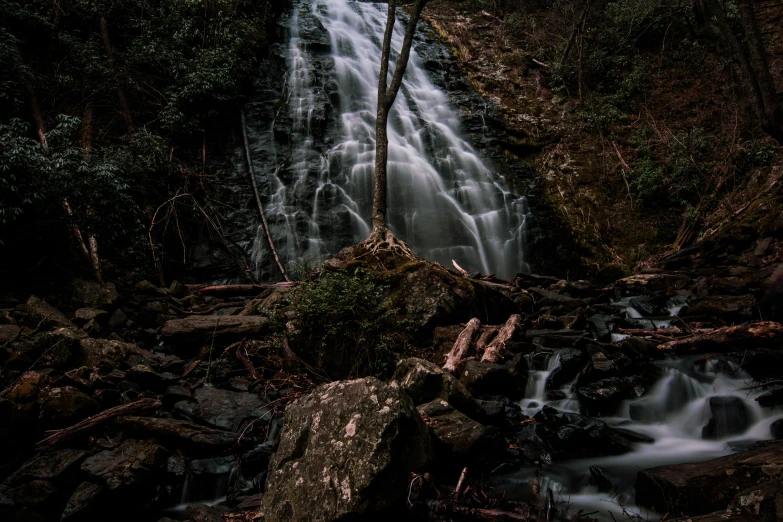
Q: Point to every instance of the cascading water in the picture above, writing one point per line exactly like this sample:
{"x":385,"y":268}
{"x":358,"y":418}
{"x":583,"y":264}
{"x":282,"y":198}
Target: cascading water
{"x":443,"y":199}
{"x":700,"y":408}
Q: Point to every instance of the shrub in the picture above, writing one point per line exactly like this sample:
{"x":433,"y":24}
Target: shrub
{"x":345,"y":325}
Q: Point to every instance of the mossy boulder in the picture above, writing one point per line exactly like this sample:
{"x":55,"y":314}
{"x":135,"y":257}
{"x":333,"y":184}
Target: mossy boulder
{"x":346,"y":450}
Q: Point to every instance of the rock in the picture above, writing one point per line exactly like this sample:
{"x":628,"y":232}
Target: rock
{"x":178,"y":289}
{"x":9,"y":333}
{"x":571,"y":436}
{"x":66,"y":406}
{"x":58,"y":347}
{"x":118,"y":318}
{"x":760,"y":503}
{"x":251,"y":503}
{"x":186,"y":435}
{"x":549,"y":298}
{"x":701,"y":488}
{"x":458,"y":439}
{"x":83,"y":501}
{"x":130,"y":472}
{"x":570,"y":363}
{"x":39,"y":312}
{"x":604,"y":397}
{"x":24,"y":394}
{"x":39,"y":494}
{"x":484,"y":379}
{"x":195,"y":330}
{"x":649,"y":283}
{"x":174,"y":394}
{"x":57,"y":466}
{"x":730,"y":416}
{"x":724,"y":307}
{"x":96,"y":351}
{"x":347,"y":449}
{"x":90,"y":294}
{"x":425,"y":382}
{"x":776,"y":429}
{"x":203,"y":513}
{"x":149,"y":379}
{"x":223,"y":409}
{"x":84,"y":315}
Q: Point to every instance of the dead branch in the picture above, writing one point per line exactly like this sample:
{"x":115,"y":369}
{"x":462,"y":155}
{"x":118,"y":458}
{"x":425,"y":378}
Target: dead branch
{"x":497,"y":348}
{"x":462,"y":345}
{"x":264,"y":223}
{"x":488,"y":333}
{"x":97,"y":420}
{"x":247,"y":364}
{"x":460,"y":483}
{"x":237,"y":290}
{"x":445,"y":507}
{"x":460,"y":269}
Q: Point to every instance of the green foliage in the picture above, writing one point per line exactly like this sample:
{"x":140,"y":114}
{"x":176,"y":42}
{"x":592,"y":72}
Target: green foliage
{"x":345,"y":326}
{"x":649,"y":183}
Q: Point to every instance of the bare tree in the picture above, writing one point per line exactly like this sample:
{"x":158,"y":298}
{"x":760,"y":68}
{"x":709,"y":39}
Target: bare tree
{"x":386,"y":96}
{"x":746,"y":47}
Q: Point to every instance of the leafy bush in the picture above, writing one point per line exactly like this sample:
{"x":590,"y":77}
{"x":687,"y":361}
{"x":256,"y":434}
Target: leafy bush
{"x":649,"y":182}
{"x":345,"y":325}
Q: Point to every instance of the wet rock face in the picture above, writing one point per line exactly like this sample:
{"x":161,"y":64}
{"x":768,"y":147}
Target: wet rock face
{"x":705,"y":487}
{"x":730,"y":416}
{"x":222,"y":409}
{"x":486,"y":379}
{"x":346,"y":449}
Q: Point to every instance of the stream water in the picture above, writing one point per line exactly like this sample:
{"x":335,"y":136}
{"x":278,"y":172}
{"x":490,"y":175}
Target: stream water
{"x":444,"y":200}
{"x":673,"y":413}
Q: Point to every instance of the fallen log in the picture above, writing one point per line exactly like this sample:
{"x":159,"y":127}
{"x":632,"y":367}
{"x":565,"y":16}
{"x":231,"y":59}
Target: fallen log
{"x":497,"y":348}
{"x":209,"y":310}
{"x":238,"y":290}
{"x":764,"y":334}
{"x":445,"y":507}
{"x":97,"y":420}
{"x":462,"y":345}
{"x":488,"y":333}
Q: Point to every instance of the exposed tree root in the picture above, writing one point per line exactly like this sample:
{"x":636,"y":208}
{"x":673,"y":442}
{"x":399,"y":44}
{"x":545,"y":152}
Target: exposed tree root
{"x":384,"y":242}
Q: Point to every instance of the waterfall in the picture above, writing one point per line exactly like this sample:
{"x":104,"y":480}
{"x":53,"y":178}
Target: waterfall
{"x":444,"y":200}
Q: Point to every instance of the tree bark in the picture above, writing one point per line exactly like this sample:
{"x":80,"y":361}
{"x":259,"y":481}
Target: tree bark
{"x":264,"y":223}
{"x":386,"y":97}
{"x":462,"y":345}
{"x":498,"y":347}
{"x":486,"y":337}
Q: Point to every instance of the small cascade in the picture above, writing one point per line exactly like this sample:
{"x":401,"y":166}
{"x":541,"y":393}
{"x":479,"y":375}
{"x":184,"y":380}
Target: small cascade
{"x":443,"y":199}
{"x":700,"y":408}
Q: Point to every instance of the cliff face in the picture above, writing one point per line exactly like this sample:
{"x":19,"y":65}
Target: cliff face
{"x":637,"y":126}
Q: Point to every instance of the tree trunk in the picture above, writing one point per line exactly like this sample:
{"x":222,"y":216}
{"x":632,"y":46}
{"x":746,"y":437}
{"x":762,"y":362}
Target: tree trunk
{"x":386,"y":97}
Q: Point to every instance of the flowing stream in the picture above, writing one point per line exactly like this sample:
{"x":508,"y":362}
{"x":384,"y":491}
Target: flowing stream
{"x":674,"y":413}
{"x":443,"y":199}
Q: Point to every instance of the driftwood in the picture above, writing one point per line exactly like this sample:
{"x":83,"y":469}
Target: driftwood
{"x":488,"y":333}
{"x":97,"y":420}
{"x":445,"y":507}
{"x":756,"y":335}
{"x":460,"y":269}
{"x":462,"y":345}
{"x":264,"y":223}
{"x":497,"y":348}
{"x":237,"y":290}
{"x":190,"y":368}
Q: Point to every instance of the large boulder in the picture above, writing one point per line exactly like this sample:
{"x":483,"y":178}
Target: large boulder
{"x":701,"y":488}
{"x":223,"y":409}
{"x":56,"y":466}
{"x":196,"y":330}
{"x":96,"y":351}
{"x":89,"y":294}
{"x":424,"y":382}
{"x":459,"y":440}
{"x":130,"y":472}
{"x":347,"y":449}
{"x":570,"y":363}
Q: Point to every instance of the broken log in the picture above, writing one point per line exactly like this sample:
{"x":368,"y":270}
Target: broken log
{"x":488,"y":333}
{"x":445,"y":507}
{"x":97,"y":420}
{"x":460,"y":483}
{"x":497,"y":348}
{"x":462,"y":345}
{"x":460,"y":269}
{"x":764,"y":334}
{"x":237,"y":290}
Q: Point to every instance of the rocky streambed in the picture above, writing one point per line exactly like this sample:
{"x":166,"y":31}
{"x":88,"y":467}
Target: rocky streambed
{"x":655,"y":396}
